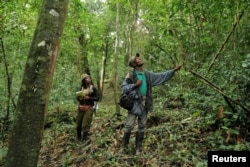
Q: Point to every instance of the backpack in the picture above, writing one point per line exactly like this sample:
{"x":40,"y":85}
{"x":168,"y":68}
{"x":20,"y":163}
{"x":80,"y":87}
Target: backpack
{"x":126,"y":101}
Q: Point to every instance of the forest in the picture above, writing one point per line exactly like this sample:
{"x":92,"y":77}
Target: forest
{"x":46,"y":45}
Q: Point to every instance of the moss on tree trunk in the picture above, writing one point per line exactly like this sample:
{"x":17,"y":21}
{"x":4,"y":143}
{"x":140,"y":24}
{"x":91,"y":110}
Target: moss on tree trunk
{"x":27,"y":132}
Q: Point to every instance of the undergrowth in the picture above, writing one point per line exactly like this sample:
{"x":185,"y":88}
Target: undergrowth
{"x":174,"y":137}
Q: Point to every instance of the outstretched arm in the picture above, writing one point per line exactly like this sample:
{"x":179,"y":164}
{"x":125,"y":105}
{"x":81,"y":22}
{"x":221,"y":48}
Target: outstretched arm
{"x":159,"y":78}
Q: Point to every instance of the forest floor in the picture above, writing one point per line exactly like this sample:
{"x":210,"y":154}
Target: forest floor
{"x":174,"y":137}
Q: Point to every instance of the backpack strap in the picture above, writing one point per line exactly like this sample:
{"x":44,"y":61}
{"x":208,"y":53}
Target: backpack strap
{"x":132,"y":76}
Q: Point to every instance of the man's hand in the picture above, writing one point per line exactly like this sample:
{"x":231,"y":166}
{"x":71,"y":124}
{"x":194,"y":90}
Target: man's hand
{"x":178,"y":67}
{"x":138,"y":83}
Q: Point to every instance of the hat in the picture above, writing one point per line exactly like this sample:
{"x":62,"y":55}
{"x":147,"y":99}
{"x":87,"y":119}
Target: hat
{"x":84,"y":76}
{"x":132,"y":60}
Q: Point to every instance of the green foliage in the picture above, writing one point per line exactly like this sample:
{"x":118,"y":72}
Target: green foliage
{"x":167,"y":33}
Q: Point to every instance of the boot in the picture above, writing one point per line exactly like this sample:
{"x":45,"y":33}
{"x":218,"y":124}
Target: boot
{"x":125,"y":140}
{"x":85,"y":136}
{"x":138,"y":142}
{"x":78,"y":130}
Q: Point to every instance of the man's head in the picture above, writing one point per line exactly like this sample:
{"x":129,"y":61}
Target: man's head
{"x":135,"y":61}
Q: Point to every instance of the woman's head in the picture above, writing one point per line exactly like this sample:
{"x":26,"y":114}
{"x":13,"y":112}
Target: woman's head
{"x":86,"y":80}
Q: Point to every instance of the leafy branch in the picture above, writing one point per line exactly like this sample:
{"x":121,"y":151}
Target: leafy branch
{"x":227,"y":98}
{"x":226,"y":40}
{"x":162,"y":49}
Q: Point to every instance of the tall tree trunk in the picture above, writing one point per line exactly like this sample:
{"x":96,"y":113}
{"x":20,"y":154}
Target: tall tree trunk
{"x":104,"y":63}
{"x":116,"y":59}
{"x":27,"y":132}
{"x":9,"y":82}
{"x":84,"y":55}
{"x":132,"y":39}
